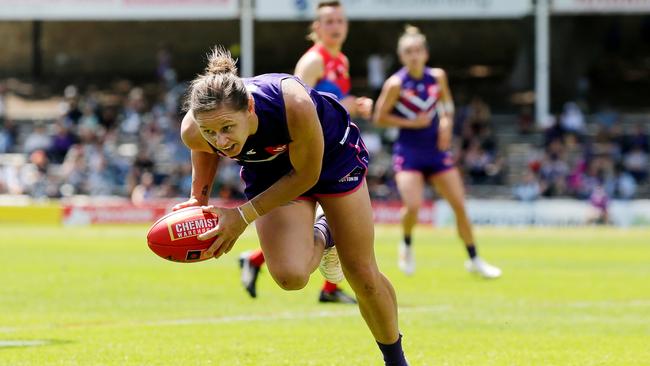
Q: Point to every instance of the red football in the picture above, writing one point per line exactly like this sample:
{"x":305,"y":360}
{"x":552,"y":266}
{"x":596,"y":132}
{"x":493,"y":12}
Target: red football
{"x":174,"y":236}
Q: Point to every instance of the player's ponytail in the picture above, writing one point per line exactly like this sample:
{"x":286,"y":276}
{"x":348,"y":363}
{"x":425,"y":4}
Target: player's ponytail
{"x":220,"y":61}
{"x":218,"y":87}
{"x":411,"y":32}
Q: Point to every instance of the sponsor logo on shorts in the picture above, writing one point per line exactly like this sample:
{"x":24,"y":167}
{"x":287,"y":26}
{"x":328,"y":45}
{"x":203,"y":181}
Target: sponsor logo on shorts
{"x":187,"y":229}
{"x":353,"y":176}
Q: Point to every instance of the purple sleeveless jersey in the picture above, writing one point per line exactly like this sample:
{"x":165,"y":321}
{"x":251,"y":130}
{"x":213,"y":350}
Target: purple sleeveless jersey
{"x":417,"y":149}
{"x":265,"y":156}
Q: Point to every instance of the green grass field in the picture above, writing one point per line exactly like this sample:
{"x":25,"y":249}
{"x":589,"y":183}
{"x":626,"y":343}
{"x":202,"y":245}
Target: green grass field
{"x":98,"y":296}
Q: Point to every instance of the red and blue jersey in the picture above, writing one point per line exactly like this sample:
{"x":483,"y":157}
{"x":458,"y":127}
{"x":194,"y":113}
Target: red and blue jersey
{"x":336,"y":73}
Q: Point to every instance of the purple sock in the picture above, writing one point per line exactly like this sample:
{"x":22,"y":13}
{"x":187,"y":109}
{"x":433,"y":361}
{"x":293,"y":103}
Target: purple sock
{"x":393,"y":353}
{"x":323,"y":228}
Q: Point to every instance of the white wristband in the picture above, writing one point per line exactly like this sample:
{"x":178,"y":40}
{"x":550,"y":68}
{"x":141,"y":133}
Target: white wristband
{"x":241,"y":213}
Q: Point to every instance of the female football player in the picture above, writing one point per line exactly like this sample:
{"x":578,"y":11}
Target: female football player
{"x":417,"y":100}
{"x":296,"y":147}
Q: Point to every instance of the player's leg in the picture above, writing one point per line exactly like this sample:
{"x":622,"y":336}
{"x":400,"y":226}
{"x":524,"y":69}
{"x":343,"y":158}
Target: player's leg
{"x":450,"y":186}
{"x":331,"y":292}
{"x":410,"y":185}
{"x":287,"y":238}
{"x":250,"y":263}
{"x":350,"y":220}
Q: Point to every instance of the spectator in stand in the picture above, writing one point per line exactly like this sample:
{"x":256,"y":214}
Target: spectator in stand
{"x":133,"y":112}
{"x":626,"y":186}
{"x":639,"y":137}
{"x":528,"y":189}
{"x":8,"y":136}
{"x":101,"y":180}
{"x":525,"y":121}
{"x":606,"y":115}
{"x":572,"y":119}
{"x":145,"y":190}
{"x":38,"y":139}
{"x":89,"y":118}
{"x":636,"y":162}
{"x":62,"y":140}
{"x":554,"y":170}
{"x":479,"y":115}
{"x":476,"y":161}
{"x":37,"y":178}
{"x":10,"y":179}
{"x":71,"y":110}
{"x":554,"y":132}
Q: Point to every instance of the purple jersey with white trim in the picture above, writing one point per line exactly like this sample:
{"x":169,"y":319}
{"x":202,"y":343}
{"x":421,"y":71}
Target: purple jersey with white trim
{"x":265,"y":157}
{"x":417,"y":149}
{"x":417,"y":96}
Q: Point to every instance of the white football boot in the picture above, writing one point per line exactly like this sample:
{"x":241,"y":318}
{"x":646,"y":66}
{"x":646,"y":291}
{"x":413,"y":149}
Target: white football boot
{"x":330,"y":265}
{"x":482,"y":268}
{"x":406,"y":258}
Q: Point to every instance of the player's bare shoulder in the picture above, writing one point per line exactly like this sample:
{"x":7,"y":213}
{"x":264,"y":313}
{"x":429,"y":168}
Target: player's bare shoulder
{"x":393,"y":83}
{"x":310,"y":59}
{"x":296,"y":99}
{"x":191,"y":135}
{"x":438,"y":73}
{"x":310,"y":67}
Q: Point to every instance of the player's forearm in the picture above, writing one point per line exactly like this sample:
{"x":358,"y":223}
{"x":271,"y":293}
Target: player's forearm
{"x":204,"y":169}
{"x":286,"y":189}
{"x":446,"y":121}
{"x":390,"y":120}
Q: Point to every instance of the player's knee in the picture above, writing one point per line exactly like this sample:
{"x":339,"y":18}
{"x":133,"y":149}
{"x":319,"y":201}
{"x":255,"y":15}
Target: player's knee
{"x":291,"y":280}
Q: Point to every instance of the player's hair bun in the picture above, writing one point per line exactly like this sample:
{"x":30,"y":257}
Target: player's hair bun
{"x":411,"y":30}
{"x":220,"y":61}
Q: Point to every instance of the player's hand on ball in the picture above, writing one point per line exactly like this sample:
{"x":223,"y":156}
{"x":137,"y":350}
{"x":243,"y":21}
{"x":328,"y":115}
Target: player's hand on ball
{"x":230,"y":227}
{"x":189,"y":203}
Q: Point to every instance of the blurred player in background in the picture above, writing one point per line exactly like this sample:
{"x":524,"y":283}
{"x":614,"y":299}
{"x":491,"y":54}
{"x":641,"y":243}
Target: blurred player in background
{"x":325,"y":68}
{"x":296,"y":147}
{"x":417,"y":100}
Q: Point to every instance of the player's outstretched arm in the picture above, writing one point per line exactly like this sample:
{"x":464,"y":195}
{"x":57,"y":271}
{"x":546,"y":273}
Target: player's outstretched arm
{"x":204,"y":164}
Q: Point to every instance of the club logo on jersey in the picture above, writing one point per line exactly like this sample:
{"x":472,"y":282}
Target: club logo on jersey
{"x":190,"y":228}
{"x":277,"y":149}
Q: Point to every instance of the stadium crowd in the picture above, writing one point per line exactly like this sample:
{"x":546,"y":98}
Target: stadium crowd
{"x":125,"y":141}
{"x":583,"y":160}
